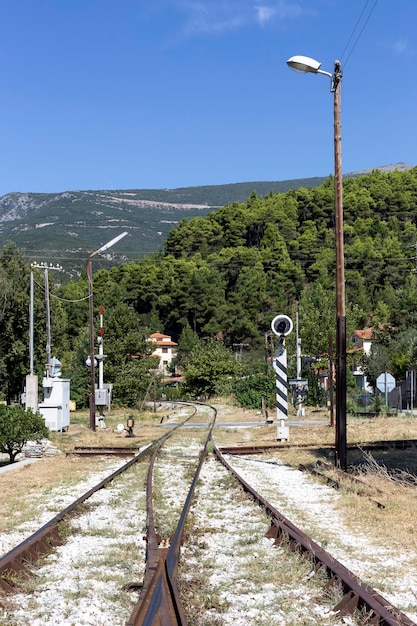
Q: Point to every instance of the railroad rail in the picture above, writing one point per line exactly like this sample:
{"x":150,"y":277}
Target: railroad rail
{"x":103,"y":451}
{"x":17,"y":562}
{"x":159,"y":602}
{"x":356,"y":595}
{"x":392,"y":444}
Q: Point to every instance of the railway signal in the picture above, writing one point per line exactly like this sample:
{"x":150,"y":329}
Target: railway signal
{"x":281,"y":326}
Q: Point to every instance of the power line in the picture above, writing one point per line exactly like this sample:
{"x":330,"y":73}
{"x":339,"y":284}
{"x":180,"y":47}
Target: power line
{"x":360,"y":32}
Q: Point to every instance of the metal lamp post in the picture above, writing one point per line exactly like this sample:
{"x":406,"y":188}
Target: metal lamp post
{"x":92,"y":400}
{"x":306,"y":64}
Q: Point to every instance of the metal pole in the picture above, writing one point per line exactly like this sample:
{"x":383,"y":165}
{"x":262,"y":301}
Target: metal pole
{"x":92,"y":402}
{"x":48,"y":325}
{"x":340,"y":443}
{"x":31,"y":322}
{"x":331,"y":372}
{"x":92,"y":399}
{"x":101,"y":352}
{"x":298,"y":357}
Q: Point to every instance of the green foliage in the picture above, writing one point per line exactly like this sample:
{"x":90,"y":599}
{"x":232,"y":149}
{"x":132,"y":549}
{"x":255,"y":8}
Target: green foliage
{"x":187,"y":342}
{"x":14,"y":321}
{"x":224,"y":276}
{"x":392,"y":352}
{"x":128,"y":360}
{"x":250,"y":390}
{"x":210,"y":370}
{"x":316,"y":396}
{"x":17,"y":427}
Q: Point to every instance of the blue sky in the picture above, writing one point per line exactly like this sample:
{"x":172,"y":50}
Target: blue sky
{"x":106,"y":94}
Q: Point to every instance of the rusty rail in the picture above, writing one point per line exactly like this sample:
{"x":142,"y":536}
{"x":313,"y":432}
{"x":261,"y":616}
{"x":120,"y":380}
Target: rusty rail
{"x":357,"y":595}
{"x":103,"y":451}
{"x":159,"y":602}
{"x":17,"y":561}
{"x":396,"y":444}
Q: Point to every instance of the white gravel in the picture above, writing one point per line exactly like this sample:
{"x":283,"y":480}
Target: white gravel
{"x":313,"y":508}
{"x":81,"y":582}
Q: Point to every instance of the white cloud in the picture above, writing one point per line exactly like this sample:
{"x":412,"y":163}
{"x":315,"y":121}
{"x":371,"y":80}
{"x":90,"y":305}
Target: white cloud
{"x":264,"y":14}
{"x":218,"y":17}
{"x":401,"y":47}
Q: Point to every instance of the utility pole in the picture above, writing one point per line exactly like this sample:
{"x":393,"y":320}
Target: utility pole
{"x":89,"y":271}
{"x":298,"y":357}
{"x":45,"y":267}
{"x":31,"y":386}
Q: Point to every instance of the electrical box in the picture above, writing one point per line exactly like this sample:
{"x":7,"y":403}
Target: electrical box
{"x":55,"y":407}
{"x":101,"y":397}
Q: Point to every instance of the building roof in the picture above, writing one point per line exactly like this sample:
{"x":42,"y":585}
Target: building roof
{"x":162,"y":340}
{"x":365,"y":334}
{"x":164,"y":344}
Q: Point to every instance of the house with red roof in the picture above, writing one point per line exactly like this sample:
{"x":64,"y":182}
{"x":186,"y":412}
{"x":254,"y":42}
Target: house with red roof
{"x":164,"y":349}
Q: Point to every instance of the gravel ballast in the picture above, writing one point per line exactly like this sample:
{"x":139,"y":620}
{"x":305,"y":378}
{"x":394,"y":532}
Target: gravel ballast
{"x":81,"y":582}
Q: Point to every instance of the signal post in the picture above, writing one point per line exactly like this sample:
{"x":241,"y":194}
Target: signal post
{"x":281,"y":326}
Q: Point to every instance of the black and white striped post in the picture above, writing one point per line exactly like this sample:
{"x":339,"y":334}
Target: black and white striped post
{"x":281,"y":326}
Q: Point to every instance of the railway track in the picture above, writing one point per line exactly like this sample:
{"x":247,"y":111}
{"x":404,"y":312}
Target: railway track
{"x":16,"y":563}
{"x":160,"y":602}
{"x":159,"y":590}
{"x":357,"y":596}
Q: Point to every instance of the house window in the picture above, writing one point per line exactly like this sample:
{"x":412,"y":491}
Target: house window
{"x":165,"y":350}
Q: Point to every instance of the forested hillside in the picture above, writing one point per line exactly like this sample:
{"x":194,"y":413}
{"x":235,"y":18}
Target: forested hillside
{"x":226,"y":275}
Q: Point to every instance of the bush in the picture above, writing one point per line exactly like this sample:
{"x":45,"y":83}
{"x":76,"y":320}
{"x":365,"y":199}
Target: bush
{"x":250,"y":390}
{"x":17,"y":426}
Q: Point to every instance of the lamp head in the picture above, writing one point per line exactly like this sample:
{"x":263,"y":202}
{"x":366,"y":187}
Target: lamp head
{"x":303,"y":64}
{"x":112,"y":242}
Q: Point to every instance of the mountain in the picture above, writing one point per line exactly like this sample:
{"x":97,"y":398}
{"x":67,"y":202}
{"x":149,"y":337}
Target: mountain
{"x":65,"y":228}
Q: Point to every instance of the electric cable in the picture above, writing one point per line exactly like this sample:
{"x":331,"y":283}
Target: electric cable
{"x":360,"y":32}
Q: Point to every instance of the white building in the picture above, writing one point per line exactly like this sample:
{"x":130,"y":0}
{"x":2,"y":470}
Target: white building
{"x":164,"y":349}
{"x":362,"y":341}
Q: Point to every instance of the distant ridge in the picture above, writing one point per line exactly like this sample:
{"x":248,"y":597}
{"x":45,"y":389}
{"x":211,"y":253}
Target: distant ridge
{"x":402,"y":167}
{"x":66,"y":227}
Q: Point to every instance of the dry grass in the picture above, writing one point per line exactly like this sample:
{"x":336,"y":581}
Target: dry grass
{"x":19,"y":486}
{"x":390,"y":474}
{"x":391,"y":471}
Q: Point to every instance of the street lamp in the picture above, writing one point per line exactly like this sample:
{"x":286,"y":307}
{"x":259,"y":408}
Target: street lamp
{"x":92,"y":400}
{"x":306,"y":64}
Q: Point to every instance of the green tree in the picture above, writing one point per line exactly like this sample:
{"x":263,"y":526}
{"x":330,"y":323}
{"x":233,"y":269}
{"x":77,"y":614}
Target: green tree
{"x":14,"y":321}
{"x":210,"y":370}
{"x":17,"y":427}
{"x":317,"y":311}
{"x":188,"y":341}
{"x":128,"y":362}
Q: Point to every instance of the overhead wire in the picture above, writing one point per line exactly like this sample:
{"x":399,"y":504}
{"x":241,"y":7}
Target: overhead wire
{"x":53,"y":295}
{"x":360,"y":32}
